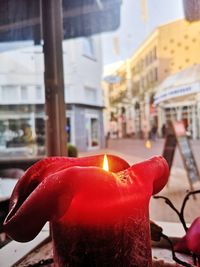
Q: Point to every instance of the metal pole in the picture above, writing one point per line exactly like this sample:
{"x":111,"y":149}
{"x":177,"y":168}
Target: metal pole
{"x":52,"y":27}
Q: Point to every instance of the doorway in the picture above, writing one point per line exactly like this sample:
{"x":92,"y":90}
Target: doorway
{"x":92,"y":128}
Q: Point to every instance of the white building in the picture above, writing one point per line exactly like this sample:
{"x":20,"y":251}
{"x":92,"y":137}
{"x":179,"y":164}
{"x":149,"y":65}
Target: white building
{"x":22,"y":94}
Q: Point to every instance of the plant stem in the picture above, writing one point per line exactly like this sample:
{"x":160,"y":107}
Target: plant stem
{"x":186,"y":198}
{"x":173,"y":253}
{"x":180,"y":215}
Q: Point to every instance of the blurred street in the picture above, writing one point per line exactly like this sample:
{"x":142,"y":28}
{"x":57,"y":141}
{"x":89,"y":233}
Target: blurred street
{"x":135,"y":151}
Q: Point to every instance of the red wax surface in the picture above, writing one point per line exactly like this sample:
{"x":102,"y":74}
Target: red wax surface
{"x":122,"y":244}
{"x":191,"y":241}
{"x":89,"y":208}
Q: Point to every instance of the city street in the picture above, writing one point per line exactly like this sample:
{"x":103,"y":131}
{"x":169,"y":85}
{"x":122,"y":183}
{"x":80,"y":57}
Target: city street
{"x":135,"y":151}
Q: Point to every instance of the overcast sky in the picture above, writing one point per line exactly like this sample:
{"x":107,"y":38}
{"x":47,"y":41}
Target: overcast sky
{"x":133,"y":30}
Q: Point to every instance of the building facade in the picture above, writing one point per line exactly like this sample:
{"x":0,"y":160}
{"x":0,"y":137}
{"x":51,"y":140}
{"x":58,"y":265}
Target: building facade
{"x":168,"y":50}
{"x":22,"y":109}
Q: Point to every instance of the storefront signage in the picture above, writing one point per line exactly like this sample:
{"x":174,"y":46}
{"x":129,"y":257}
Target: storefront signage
{"x":177,"y":135}
{"x":186,"y":152}
{"x":176,"y":92}
{"x":113,"y":79}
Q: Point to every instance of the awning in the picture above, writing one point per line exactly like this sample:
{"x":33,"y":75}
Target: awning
{"x":21,"y":19}
{"x":183,"y":83}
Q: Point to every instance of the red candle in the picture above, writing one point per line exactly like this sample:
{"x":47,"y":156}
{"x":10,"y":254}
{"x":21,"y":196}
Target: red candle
{"x":98,"y":218}
{"x":191,"y":241}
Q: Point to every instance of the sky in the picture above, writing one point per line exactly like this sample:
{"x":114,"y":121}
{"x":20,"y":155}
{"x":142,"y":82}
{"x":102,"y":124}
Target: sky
{"x":133,"y":30}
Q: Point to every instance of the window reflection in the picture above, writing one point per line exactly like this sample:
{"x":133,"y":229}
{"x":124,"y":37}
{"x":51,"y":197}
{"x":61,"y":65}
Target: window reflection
{"x":152,"y":60}
{"x":22,"y":93}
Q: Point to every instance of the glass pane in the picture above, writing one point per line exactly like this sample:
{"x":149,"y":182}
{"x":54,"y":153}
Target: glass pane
{"x":94,"y":132}
{"x":129,"y":69}
{"x":22,"y":131}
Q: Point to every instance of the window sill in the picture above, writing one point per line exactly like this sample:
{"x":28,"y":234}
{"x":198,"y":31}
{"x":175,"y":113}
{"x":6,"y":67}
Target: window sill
{"x":20,"y":250}
{"x":27,"y":251}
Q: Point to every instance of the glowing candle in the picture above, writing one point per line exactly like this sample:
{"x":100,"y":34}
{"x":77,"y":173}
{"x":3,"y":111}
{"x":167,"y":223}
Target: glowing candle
{"x":98,"y":218}
{"x":105,"y":163}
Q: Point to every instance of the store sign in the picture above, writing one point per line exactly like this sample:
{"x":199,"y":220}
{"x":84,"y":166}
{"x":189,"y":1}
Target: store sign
{"x":179,"y":128}
{"x":192,"y":9}
{"x":113,"y":79}
{"x":176,"y":135}
{"x":21,"y":20}
{"x":176,"y":92}
{"x":186,"y":152}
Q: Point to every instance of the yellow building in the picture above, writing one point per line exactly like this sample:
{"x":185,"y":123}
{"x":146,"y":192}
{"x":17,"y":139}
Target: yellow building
{"x":169,"y":49}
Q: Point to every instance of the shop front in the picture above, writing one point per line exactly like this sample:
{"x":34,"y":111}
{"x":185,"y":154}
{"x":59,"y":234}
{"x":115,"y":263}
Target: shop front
{"x":178,"y":98}
{"x":23,"y":133}
{"x":88,"y":129}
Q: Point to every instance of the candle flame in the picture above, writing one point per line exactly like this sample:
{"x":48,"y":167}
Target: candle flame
{"x":105,"y":163}
{"x":148,"y":144}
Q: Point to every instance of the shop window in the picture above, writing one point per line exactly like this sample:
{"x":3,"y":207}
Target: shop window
{"x":18,"y":133}
{"x":94,"y":132}
{"x":92,"y":127}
